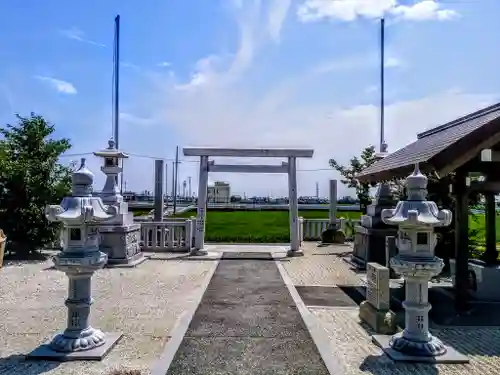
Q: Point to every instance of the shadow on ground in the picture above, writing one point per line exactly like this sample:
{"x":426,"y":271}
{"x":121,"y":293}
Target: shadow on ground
{"x":382,"y":365}
{"x":18,"y":364}
{"x":17,"y":259}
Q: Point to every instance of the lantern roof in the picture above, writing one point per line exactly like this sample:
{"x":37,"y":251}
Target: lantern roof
{"x":111,"y":151}
{"x":416,"y":210}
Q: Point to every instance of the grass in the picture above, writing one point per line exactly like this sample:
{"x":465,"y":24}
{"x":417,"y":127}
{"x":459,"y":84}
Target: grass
{"x":256,"y":226}
{"x":477,"y":223}
{"x":273,"y":226}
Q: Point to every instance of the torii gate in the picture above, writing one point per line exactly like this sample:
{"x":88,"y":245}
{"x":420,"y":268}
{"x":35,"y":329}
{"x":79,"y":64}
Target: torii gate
{"x":289,"y":167}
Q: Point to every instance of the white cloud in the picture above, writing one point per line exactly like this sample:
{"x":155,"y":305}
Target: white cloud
{"x":61,"y":86}
{"x":163,"y":64}
{"x":129,"y":65}
{"x":232,"y":117}
{"x":424,"y":10}
{"x":77,"y":34}
{"x":392,"y":62}
{"x":220,"y":106}
{"x":132,"y":119}
{"x":276,"y":16}
{"x":354,"y":63}
{"x":350,"y":10}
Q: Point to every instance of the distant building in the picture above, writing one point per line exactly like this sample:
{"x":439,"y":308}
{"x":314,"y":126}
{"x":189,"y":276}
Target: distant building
{"x":219,"y":192}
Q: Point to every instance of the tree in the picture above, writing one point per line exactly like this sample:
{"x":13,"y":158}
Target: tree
{"x":366,"y":159}
{"x":30,"y":179}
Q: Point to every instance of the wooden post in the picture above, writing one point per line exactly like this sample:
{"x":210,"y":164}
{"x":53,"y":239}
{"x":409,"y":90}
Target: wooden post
{"x":461,"y":242}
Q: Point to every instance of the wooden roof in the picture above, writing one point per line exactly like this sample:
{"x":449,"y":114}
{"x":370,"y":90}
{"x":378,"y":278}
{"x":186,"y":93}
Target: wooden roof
{"x":442,"y":149}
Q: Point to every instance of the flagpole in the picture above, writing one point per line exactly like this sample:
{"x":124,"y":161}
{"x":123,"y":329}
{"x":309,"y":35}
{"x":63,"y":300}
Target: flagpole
{"x":383,"y":145}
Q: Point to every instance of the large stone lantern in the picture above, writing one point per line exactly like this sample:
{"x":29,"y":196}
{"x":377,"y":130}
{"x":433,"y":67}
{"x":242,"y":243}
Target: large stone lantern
{"x":120,"y":236}
{"x":79,"y":259}
{"x":416,"y":219}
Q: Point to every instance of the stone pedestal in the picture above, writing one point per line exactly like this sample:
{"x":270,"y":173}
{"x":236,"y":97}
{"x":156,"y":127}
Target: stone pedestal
{"x":369,"y":246}
{"x":369,"y":237}
{"x":120,"y":237}
{"x":122,"y":245}
{"x":381,"y":321}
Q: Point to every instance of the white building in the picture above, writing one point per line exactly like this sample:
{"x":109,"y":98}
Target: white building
{"x":219,"y":192}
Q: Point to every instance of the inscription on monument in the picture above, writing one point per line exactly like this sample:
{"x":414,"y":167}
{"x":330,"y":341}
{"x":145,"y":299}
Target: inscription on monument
{"x":377,"y":289}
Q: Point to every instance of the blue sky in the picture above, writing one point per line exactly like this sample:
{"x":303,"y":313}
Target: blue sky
{"x":246,"y":73}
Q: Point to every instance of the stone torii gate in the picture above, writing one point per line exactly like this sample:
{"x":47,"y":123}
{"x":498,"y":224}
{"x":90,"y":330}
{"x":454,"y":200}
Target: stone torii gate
{"x":289,"y":167}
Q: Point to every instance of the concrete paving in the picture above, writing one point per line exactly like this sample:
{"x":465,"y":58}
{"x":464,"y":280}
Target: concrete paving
{"x":247,"y":323}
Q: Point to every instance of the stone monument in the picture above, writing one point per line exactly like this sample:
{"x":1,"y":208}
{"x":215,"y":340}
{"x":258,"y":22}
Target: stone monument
{"x":369,"y":236}
{"x":334,"y":234}
{"x":375,"y":310}
{"x":416,"y":262}
{"x":120,"y":236}
{"x":79,"y":259}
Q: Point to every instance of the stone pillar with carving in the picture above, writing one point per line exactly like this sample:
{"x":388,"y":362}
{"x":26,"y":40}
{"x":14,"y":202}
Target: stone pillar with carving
{"x":79,"y":259}
{"x":120,"y":236}
{"x":416,"y":219}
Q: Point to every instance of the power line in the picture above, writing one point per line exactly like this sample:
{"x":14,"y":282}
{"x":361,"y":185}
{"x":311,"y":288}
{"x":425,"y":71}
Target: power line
{"x":187,"y":161}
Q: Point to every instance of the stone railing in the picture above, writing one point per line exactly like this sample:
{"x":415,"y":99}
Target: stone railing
{"x":169,"y":235}
{"x":312,"y":228}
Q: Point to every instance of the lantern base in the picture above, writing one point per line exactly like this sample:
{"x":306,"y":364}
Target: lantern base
{"x":45,"y":351}
{"x":385,"y":342}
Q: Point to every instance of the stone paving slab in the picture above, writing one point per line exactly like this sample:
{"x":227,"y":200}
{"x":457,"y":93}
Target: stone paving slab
{"x":321,"y":266}
{"x":246,"y":339}
{"x":244,"y":320}
{"x":246,"y":293}
{"x":247,"y":356}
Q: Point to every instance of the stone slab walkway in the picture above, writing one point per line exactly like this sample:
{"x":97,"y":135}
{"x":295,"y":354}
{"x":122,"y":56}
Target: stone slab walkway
{"x":247,"y":323}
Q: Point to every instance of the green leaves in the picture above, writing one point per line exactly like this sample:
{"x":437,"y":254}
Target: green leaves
{"x":348,"y":173}
{"x":30,"y":179}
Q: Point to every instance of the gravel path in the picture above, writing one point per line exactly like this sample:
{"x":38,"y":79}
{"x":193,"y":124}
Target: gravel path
{"x":144,"y":303}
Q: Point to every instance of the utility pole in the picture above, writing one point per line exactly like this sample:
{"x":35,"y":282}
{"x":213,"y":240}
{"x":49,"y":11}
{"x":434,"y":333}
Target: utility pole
{"x":176,"y":176}
{"x":317,"y":190}
{"x":189,"y":187}
{"x":166,"y":182}
{"x":173,"y":180}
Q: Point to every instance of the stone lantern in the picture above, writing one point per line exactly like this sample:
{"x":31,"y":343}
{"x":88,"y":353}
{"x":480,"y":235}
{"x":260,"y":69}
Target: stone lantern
{"x":120,"y":236}
{"x":416,"y":219}
{"x":79,"y":259}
